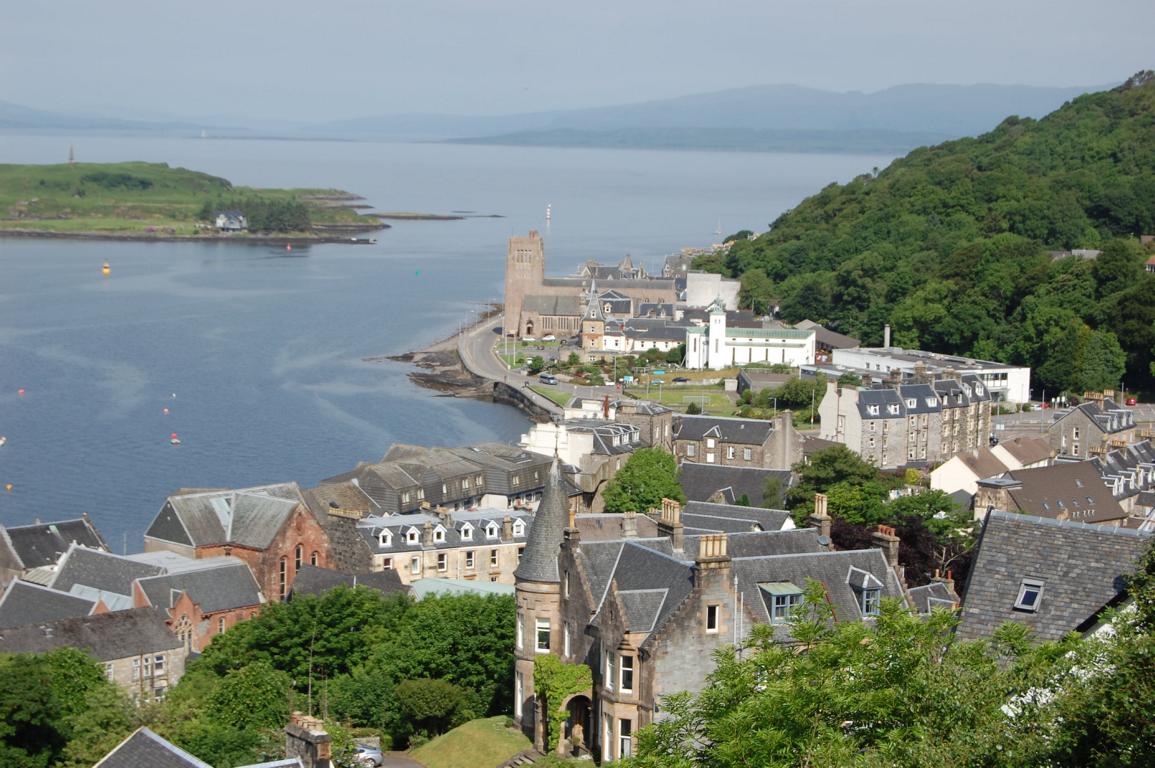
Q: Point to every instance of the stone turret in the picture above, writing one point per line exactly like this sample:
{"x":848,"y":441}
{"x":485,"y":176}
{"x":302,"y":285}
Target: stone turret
{"x":537,"y":586}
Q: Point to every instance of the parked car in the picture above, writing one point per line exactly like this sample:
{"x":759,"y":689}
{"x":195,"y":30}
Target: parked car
{"x":547,"y":378}
{"x":366,"y":755}
{"x":529,"y":338}
{"x":680,"y":379}
{"x":1132,"y":401}
{"x":549,"y":337}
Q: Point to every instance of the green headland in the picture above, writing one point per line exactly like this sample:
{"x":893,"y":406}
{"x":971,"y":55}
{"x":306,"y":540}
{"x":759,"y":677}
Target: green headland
{"x":138,"y":200}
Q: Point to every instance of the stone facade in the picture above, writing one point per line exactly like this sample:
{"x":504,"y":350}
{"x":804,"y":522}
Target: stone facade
{"x":731,"y":442}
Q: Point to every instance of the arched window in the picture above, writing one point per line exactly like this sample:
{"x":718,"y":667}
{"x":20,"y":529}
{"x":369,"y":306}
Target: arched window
{"x":314,"y":558}
{"x":298,"y":557}
{"x":282,"y":577}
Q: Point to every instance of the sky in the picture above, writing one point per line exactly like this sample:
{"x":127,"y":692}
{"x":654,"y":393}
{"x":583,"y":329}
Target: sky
{"x":314,"y":61}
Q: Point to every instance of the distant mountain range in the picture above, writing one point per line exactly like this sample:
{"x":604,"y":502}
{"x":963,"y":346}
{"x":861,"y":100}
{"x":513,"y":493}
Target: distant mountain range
{"x":760,"y":118}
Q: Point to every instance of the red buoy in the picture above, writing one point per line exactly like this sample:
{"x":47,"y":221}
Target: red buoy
{"x":20,"y":391}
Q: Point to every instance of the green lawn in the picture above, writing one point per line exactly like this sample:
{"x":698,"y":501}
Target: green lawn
{"x":477,"y":744}
{"x":712,"y":399}
{"x":559,"y":396}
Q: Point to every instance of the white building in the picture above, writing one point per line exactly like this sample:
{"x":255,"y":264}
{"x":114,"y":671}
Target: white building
{"x":1011,"y":383}
{"x":715,"y":346}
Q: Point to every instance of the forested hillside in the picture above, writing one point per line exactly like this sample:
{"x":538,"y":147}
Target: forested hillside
{"x":950,"y":246}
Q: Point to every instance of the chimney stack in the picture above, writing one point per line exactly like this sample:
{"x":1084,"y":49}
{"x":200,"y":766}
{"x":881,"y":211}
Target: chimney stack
{"x":670,"y":523}
{"x":820,"y":519}
{"x":507,"y":528}
{"x":306,"y":738}
{"x":629,"y":524}
{"x":885,"y":539}
{"x":712,"y":550}
{"x":427,"y":534}
{"x":886,"y":336}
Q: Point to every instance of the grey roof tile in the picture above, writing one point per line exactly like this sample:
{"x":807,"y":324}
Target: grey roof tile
{"x":1082,"y":568}
{"x":539,"y":560}
{"x":702,"y":482}
{"x":43,"y":544}
{"x":311,"y":580}
{"x":27,"y":603}
{"x":106,"y":636}
{"x":225,"y":587}
{"x":102,"y":571}
{"x":145,"y":749}
{"x":730,"y":430}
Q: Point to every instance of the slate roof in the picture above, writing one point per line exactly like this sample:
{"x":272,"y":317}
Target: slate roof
{"x":605,"y":526}
{"x":767,"y":544}
{"x":1028,"y":450}
{"x":728,"y":518}
{"x":1082,"y":568}
{"x":565,"y":306}
{"x":646,"y":329}
{"x":311,"y":580}
{"x":1107,"y":415}
{"x":225,"y":587}
{"x":249,"y":517}
{"x":827,"y":338}
{"x":91,"y":573}
{"x":837,"y":571}
{"x":27,"y":603}
{"x":728,"y":430}
{"x":397,"y":528}
{"x":1074,"y":490}
{"x":105,"y":636}
{"x":43,"y":543}
{"x":145,"y":749}
{"x":539,"y":560}
{"x":884,"y":399}
{"x":982,"y":463}
{"x":700,"y":482}
{"x":930,"y":596}
{"x":659,"y":582}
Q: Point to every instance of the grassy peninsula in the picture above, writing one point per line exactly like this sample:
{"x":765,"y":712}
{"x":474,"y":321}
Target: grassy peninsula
{"x":138,"y":200}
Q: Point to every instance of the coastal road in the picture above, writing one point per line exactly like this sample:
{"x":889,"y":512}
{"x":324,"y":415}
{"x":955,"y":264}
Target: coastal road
{"x":475,"y":347}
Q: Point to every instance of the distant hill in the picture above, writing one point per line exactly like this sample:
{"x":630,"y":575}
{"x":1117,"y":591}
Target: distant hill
{"x":789,"y":117}
{"x":950,"y":246}
{"x":762,"y":118}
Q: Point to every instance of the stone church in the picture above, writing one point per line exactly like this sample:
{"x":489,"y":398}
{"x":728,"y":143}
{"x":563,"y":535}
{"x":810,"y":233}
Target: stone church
{"x":536,"y":305}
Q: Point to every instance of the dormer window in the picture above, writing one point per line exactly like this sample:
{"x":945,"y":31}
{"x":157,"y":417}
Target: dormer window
{"x":1030,"y":595}
{"x":518,"y":527}
{"x":892,"y":408}
{"x":491,"y":530}
{"x":783,"y":599}
{"x":467,"y":532}
{"x":872,"y":410}
{"x":385,"y":538}
{"x":931,"y":402}
{"x":439,"y":534}
{"x":911,"y":402}
{"x":869,"y":601}
{"x":979,"y":388}
{"x":412,"y":536}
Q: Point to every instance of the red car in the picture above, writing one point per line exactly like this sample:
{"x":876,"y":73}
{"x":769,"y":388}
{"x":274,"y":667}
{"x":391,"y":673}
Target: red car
{"x":1132,"y":401}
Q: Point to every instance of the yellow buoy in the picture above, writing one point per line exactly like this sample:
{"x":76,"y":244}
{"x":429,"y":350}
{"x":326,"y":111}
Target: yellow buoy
{"x":106,"y":269}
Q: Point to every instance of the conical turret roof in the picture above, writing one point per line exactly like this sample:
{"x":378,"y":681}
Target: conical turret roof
{"x":539,"y":560}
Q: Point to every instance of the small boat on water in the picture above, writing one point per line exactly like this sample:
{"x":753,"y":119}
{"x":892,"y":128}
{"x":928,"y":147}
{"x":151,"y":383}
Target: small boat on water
{"x":3,"y":440}
{"x":106,"y":270}
{"x":173,"y":439}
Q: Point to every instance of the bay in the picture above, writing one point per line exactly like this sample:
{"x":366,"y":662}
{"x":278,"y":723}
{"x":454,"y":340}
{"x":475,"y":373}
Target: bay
{"x":258,"y":354}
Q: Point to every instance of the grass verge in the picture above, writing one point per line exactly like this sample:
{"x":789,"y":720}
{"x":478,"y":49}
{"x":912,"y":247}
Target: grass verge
{"x":483,"y":743}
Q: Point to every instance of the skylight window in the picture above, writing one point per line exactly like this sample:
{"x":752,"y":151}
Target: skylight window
{"x":1030,"y":595}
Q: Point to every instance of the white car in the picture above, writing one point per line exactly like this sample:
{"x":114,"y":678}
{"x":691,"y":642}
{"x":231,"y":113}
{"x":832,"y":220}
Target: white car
{"x":550,"y":337}
{"x":528,"y":338}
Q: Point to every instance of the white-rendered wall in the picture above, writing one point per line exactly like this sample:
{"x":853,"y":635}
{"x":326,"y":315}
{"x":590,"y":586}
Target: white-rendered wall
{"x":703,"y":287}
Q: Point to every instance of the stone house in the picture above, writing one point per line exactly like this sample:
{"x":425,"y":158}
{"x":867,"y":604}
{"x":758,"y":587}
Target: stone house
{"x":645,"y":614}
{"x":483,"y":545}
{"x":136,"y":649}
{"x":1065,"y":491}
{"x":24,"y":548}
{"x":592,"y":451}
{"x":201,"y":603}
{"x":269,"y":527}
{"x":734,"y":442}
{"x":1092,"y":428}
{"x":1130,"y":473}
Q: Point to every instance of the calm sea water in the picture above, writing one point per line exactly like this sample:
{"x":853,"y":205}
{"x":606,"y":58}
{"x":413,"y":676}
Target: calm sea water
{"x":258,"y":354}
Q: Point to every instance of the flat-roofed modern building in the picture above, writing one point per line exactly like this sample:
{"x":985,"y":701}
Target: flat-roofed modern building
{"x":1011,"y":383}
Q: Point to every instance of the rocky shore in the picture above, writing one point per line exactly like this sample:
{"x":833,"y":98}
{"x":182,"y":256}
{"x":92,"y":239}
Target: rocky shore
{"x":443,"y":372}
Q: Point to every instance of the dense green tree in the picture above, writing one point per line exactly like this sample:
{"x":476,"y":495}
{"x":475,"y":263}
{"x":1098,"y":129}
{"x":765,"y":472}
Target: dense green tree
{"x":757,"y":292}
{"x":649,"y":476}
{"x":825,"y":469}
{"x":252,"y":697}
{"x":433,"y":706}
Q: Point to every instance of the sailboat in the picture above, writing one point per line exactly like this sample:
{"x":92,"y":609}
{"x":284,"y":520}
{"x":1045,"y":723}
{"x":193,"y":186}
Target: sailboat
{"x":718,"y":229}
{"x":548,"y":211}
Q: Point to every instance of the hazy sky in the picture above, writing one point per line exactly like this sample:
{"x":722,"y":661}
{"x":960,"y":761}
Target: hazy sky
{"x":342,"y":58}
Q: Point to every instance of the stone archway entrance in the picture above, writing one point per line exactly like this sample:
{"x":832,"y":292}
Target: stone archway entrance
{"x":529,"y":328}
{"x":578,"y":723}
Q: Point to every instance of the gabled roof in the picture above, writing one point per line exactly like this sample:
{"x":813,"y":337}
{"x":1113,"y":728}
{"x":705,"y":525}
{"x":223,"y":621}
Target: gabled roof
{"x":558,"y":306}
{"x":228,"y":586}
{"x":931,"y":596}
{"x":249,"y":517}
{"x":1081,"y":567}
{"x":982,"y":462}
{"x":730,"y":518}
{"x":106,"y":636}
{"x":311,"y":580}
{"x":1028,"y":450}
{"x":884,"y":400}
{"x":1073,"y":490}
{"x":26,"y":603}
{"x":726,"y":429}
{"x":701,"y":482}
{"x":826,"y":337}
{"x":95,"y":574}
{"x":144,"y":749}
{"x":43,"y":543}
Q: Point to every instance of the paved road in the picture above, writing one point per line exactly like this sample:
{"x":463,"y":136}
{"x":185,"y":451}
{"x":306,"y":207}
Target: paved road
{"x":475,"y":347}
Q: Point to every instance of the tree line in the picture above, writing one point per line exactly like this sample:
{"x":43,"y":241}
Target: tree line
{"x":263,"y":214}
{"x":952,"y":246}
